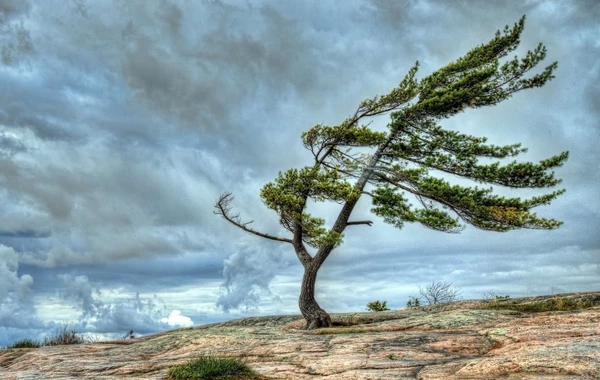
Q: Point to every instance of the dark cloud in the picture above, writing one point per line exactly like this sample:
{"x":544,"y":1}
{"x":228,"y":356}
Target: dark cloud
{"x":15,"y":39}
{"x":13,"y":8}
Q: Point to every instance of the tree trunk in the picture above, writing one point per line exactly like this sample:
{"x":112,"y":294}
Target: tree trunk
{"x":313,"y":314}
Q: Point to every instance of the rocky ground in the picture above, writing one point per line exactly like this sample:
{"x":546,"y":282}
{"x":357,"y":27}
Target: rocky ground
{"x":459,"y":341}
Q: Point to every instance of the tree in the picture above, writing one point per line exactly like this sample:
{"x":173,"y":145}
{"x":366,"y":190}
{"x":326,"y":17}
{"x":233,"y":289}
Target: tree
{"x":377,"y":306}
{"x":439,"y":292}
{"x":352,"y":160}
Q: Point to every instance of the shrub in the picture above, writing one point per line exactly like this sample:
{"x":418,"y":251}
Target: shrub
{"x":491,"y":295}
{"x":439,"y":292}
{"x":65,"y":335}
{"x":208,"y":367}
{"x":25,"y":343}
{"x":376,"y":306}
{"x":413,"y":302}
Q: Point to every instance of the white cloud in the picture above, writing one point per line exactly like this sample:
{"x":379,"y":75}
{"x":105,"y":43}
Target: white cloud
{"x":18,"y":313}
{"x":105,"y":312}
{"x":176,"y":319}
{"x":248,"y":273}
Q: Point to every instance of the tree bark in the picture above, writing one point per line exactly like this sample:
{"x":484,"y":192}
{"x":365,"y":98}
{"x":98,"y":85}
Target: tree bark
{"x":313,"y":314}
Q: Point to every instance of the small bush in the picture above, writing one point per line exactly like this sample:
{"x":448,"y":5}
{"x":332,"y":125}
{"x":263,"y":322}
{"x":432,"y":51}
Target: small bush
{"x":376,"y":306}
{"x":413,"y":302}
{"x":25,"y":343}
{"x":63,"y":336}
{"x":208,"y":367}
{"x":491,"y":295}
{"x":439,"y":292}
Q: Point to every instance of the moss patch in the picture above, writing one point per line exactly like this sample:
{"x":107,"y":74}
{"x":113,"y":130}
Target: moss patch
{"x":551,"y":304}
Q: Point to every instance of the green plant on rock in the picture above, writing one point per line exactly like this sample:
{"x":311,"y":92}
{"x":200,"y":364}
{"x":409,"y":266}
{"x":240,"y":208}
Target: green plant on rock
{"x":413,"y":302}
{"x":377,"y":306}
{"x":25,"y":343}
{"x":209,"y":367}
{"x":414,"y":157}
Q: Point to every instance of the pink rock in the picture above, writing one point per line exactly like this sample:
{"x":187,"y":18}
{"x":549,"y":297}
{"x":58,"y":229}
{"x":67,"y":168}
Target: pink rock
{"x":458,"y":341}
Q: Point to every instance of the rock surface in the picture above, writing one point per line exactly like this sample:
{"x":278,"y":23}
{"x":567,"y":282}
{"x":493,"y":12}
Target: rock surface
{"x":459,"y":341}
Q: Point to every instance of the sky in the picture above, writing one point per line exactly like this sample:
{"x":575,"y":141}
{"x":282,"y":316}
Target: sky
{"x":121,"y":123}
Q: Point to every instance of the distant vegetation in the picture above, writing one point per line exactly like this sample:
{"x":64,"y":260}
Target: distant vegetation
{"x":25,"y":343}
{"x":436,"y":293}
{"x":64,"y":335}
{"x":413,"y":302}
{"x":377,"y":306}
{"x":551,"y":304}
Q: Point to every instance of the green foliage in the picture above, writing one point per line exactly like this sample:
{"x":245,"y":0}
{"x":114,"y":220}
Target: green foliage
{"x":416,"y":147}
{"x":25,"y":343}
{"x":413,"y":302}
{"x":552,"y":304}
{"x":478,"y":79}
{"x":322,"y":135}
{"x":377,"y":306}
{"x":288,"y":195}
{"x":208,"y":367}
{"x":395,"y":209}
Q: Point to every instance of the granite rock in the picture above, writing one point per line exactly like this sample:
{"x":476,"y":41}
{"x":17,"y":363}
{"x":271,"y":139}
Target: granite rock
{"x":464,"y":340}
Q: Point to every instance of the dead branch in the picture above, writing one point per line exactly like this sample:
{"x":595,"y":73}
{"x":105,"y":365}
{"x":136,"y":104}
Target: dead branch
{"x":223,"y":206}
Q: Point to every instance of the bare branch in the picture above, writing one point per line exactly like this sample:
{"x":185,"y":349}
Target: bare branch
{"x":439,"y":292}
{"x":223,"y":207}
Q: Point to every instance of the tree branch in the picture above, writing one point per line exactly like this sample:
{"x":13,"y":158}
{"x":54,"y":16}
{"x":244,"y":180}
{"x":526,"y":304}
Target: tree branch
{"x":223,"y":207}
{"x":303,"y":255}
{"x":462,"y":214}
{"x":367,"y":222}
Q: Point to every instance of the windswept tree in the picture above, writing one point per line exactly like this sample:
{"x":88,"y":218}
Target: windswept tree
{"x":415,"y":157}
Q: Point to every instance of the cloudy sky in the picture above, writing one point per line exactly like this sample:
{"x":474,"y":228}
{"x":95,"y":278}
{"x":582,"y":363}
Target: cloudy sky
{"x":121,"y":122}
